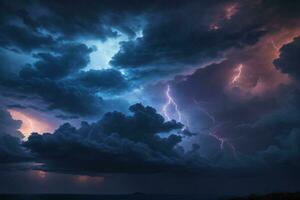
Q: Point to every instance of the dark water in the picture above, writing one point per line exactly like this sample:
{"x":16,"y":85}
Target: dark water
{"x":99,"y":197}
{"x":138,"y":196}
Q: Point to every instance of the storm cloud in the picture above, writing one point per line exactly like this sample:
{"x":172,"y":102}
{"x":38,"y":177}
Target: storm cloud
{"x":116,"y":143}
{"x":224,"y":73}
{"x":288,"y":60}
{"x":11,"y":149}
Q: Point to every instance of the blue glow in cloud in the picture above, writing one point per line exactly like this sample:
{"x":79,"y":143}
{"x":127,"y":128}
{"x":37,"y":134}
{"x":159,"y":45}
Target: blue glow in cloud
{"x":105,"y":50}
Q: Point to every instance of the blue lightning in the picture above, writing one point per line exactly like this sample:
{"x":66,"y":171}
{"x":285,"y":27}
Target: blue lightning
{"x":169,"y":103}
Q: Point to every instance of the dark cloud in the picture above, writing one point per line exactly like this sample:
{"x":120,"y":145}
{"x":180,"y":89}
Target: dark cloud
{"x":92,"y":20}
{"x":15,"y":37}
{"x":103,"y":80}
{"x":145,"y":122}
{"x":66,"y":117}
{"x":71,"y":96}
{"x":247,"y":128}
{"x":8,"y":125}
{"x":88,"y":20}
{"x":10,"y":144}
{"x":214,"y":86}
{"x":286,"y":12}
{"x":26,"y":28}
{"x":116,"y":143}
{"x":163,"y":43}
{"x":61,"y":95}
{"x":56,"y":94}
{"x":256,"y":128}
{"x":271,"y":130}
{"x":68,"y":59}
{"x":99,"y":19}
{"x":25,"y":106}
{"x":288,"y":62}
{"x":165,"y":49}
{"x":54,"y":74}
{"x":158,"y":45}
{"x":11,"y":150}
{"x":56,"y":79}
{"x":18,"y":106}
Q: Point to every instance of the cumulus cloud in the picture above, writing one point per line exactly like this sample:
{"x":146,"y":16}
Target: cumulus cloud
{"x":57,"y":79}
{"x":59,"y":95}
{"x":11,"y":149}
{"x":8,"y":125}
{"x":103,"y":80}
{"x":68,"y":59}
{"x":116,"y":143}
{"x":20,"y":38}
{"x":55,"y":54}
{"x":163,"y":43}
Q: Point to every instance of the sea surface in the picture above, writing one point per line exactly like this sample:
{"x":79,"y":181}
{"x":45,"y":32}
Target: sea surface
{"x":141,"y":196}
{"x":97,"y":197}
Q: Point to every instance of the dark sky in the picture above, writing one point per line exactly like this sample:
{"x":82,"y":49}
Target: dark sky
{"x":190,"y":97}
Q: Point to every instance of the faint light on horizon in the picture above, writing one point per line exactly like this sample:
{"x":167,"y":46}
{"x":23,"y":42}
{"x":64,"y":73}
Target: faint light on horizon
{"x":84,"y":178}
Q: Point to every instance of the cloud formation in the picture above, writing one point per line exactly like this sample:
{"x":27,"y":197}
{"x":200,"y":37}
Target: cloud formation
{"x":8,"y":125}
{"x":288,"y":60}
{"x":68,"y":59}
{"x":116,"y":143}
{"x":231,"y":66}
{"x":10,"y":143}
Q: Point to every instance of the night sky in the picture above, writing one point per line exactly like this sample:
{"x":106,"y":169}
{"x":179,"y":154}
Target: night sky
{"x":178,"y":97}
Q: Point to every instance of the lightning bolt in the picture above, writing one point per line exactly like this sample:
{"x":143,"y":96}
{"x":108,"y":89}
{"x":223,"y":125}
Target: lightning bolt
{"x":222,"y":140}
{"x":238,"y":75}
{"x":275,"y":45}
{"x":213,"y":131}
{"x":211,"y":117}
{"x":169,"y":103}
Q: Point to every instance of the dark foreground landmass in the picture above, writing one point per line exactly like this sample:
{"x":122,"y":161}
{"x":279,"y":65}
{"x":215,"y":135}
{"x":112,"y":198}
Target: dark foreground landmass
{"x":273,"y":196}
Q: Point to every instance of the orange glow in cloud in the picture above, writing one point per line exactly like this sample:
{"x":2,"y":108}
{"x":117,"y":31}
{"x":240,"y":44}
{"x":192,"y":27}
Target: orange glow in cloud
{"x":230,"y":11}
{"x":285,"y":37}
{"x":275,"y":45}
{"x":261,"y":75}
{"x":41,"y":174}
{"x":30,"y":123}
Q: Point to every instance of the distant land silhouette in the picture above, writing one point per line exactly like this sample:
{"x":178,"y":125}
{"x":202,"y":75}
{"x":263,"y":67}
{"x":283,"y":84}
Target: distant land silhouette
{"x":272,"y":196}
